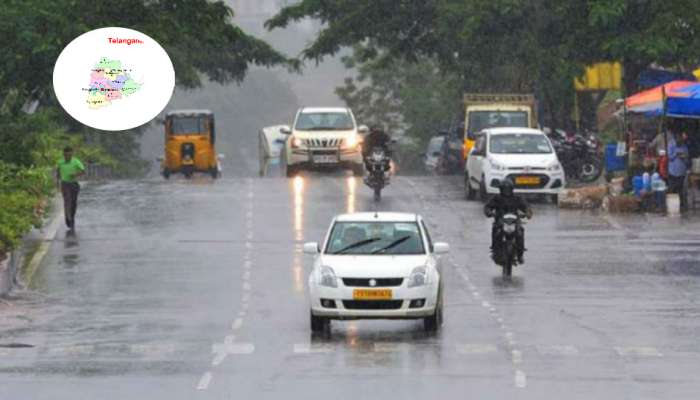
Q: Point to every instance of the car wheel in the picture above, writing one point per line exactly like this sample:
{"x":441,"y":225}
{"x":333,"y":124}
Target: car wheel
{"x":291,"y":171}
{"x":471,"y":193}
{"x":482,"y":189}
{"x":319,"y":324}
{"x":166,"y":174}
{"x":358,"y":170}
{"x":433,"y":323}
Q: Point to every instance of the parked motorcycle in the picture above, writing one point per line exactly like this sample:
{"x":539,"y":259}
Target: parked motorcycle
{"x":378,"y":165}
{"x":580,"y":157}
{"x":505,"y":250}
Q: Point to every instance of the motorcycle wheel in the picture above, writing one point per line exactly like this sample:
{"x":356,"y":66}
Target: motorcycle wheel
{"x":508,"y":260}
{"x":590,"y":170}
{"x":377,"y":194}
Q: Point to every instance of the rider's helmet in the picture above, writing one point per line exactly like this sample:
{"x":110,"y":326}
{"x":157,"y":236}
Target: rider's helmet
{"x":506,"y":187}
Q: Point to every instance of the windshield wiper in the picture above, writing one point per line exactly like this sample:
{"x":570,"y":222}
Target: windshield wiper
{"x":392,"y":244}
{"x":357,"y":244}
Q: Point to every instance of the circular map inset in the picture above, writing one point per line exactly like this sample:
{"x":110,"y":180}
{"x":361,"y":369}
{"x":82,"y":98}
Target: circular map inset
{"x":113,"y":79}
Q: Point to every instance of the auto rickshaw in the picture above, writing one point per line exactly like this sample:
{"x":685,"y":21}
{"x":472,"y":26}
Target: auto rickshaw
{"x":189,"y":144}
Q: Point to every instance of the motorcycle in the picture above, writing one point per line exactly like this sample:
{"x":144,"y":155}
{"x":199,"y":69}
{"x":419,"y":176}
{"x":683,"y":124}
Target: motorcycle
{"x":377,"y":166}
{"x":505,"y":250}
{"x":580,"y":158}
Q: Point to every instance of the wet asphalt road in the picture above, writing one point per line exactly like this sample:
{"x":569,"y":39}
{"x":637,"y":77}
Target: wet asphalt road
{"x":197,"y":290}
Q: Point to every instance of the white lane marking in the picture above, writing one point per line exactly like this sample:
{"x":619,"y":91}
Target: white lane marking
{"x":249,"y":215}
{"x":516,"y":356}
{"x":249,"y":236}
{"x":638,"y":351}
{"x":246,"y":286}
{"x":486,"y":304}
{"x":308,"y":348}
{"x":246,"y":275}
{"x":245,"y":297}
{"x":520,"y":379}
{"x":204,"y":381}
{"x":558,"y":350}
{"x":237,"y":324}
{"x":247,"y":263}
{"x":248,"y":245}
{"x":242,"y":313}
{"x":476,"y":348}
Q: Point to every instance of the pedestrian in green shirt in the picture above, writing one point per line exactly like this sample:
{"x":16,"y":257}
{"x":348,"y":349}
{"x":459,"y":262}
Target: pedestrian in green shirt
{"x":68,"y":170}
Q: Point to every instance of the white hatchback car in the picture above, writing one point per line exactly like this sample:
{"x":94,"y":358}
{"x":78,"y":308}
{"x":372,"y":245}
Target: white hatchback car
{"x":376,"y":266}
{"x":524,"y":155}
{"x":325,"y":137}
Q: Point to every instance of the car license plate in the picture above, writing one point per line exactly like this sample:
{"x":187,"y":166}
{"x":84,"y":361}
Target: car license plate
{"x":372,"y":294}
{"x":527,"y":180}
{"x":325,"y":159}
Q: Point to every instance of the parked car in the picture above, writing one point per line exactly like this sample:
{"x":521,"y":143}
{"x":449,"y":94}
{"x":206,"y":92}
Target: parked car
{"x":524,"y":155}
{"x":434,"y":154}
{"x":376,"y":266}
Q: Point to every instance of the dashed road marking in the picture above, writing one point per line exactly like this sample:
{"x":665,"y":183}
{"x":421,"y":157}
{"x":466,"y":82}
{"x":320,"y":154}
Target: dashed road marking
{"x":237,"y":324}
{"x":638,"y":351}
{"x":516,"y":357}
{"x":204,"y":381}
{"x":520,"y":379}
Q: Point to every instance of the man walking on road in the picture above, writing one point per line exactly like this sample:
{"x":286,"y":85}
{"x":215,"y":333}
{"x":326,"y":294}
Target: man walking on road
{"x":678,"y":167}
{"x":69,"y":168}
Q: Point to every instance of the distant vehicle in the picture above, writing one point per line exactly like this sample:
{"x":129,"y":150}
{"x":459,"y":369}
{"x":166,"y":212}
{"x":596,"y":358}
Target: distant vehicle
{"x":271,"y":141}
{"x":376,"y":266}
{"x":524,"y":155}
{"x":434,"y":154}
{"x":495,"y":110}
{"x":190,"y":137}
{"x":323,"y":138}
{"x":580,"y":155}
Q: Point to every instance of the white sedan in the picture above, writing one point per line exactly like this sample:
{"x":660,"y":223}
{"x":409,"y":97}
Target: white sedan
{"x":376,"y":266}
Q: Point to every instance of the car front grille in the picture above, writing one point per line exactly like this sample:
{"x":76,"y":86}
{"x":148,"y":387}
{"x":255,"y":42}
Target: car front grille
{"x":320,"y":142}
{"x":372,"y":304}
{"x":379,"y":282}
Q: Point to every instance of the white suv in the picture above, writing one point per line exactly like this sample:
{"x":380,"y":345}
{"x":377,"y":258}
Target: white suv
{"x":524,"y":155}
{"x":322,"y":138}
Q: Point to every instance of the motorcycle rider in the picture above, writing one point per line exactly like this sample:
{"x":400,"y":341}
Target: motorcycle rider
{"x":507,"y":203}
{"x":376,"y":138}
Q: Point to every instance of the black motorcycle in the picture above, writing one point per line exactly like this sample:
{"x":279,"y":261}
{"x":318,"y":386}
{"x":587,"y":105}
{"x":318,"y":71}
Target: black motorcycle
{"x":505,"y":250}
{"x":377,"y":164}
{"x":580,"y":158}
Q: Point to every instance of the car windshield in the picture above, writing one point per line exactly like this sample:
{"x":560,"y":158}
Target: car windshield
{"x":480,"y":120}
{"x":379,"y":238}
{"x":188,"y":125}
{"x":324,"y":121}
{"x":519,"y":143}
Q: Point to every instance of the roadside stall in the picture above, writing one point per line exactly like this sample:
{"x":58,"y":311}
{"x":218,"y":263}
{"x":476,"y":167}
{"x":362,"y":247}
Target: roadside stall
{"x":672,"y":108}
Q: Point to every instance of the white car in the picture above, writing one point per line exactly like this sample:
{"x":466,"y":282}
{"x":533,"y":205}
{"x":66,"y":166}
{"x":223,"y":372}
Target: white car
{"x":323,"y":138}
{"x":525,"y":156}
{"x":376,"y":266}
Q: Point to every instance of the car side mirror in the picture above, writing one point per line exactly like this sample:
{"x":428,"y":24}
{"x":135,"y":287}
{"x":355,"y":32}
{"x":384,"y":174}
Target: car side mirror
{"x":362,"y":129}
{"x":311,"y":248}
{"x":286,"y":130}
{"x":441,"y":248}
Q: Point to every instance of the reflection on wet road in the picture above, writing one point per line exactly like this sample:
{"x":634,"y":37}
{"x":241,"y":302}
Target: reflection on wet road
{"x":194,"y":289}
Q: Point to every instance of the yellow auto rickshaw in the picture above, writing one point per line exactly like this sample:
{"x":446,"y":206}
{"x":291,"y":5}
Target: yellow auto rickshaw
{"x":189,"y":144}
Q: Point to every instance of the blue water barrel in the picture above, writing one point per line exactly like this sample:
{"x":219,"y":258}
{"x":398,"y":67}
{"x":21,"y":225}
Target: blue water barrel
{"x":613,"y":162}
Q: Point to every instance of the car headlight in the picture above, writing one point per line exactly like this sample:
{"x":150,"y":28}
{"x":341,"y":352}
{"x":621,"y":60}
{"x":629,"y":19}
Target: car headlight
{"x":554,"y":167}
{"x":296,"y":142}
{"x":418,"y":277}
{"x":351,"y":142}
{"x":497,"y":167}
{"x":328,"y":277}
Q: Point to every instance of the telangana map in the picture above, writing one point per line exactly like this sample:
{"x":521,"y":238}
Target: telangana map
{"x":110,"y":81}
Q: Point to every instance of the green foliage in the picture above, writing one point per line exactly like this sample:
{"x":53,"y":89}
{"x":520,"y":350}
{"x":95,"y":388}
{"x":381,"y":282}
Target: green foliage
{"x":535,"y":46}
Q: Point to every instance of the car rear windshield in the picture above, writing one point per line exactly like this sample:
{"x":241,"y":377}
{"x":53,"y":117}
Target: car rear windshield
{"x":378,"y":238}
{"x":480,"y":120}
{"x":519,"y":143}
{"x":324,"y":121}
{"x":188,"y":125}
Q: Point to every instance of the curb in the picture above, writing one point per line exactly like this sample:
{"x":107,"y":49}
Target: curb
{"x":47,"y":234}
